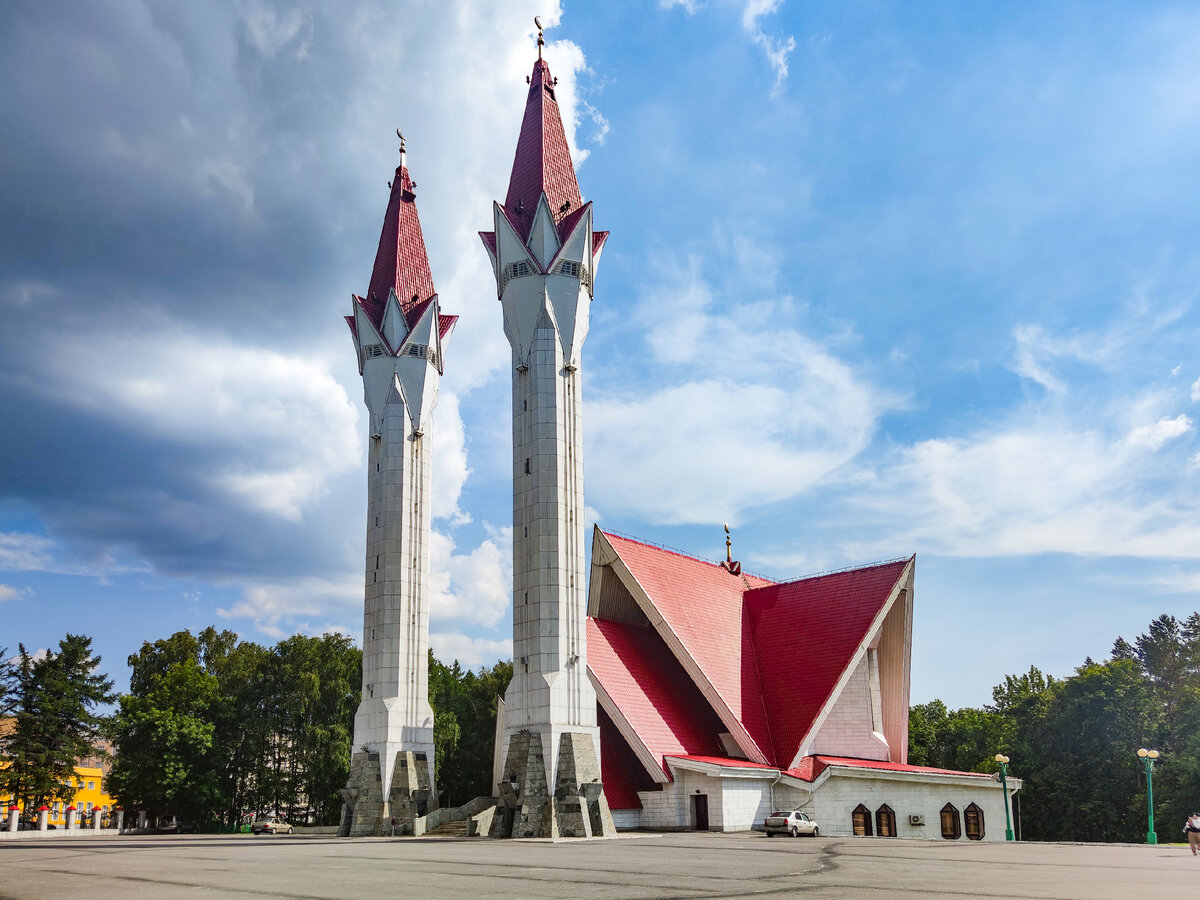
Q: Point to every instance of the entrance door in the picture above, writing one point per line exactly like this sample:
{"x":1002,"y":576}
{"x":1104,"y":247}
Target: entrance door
{"x":700,"y":812}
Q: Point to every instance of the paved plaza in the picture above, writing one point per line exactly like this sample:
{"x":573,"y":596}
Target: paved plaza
{"x":658,"y":866}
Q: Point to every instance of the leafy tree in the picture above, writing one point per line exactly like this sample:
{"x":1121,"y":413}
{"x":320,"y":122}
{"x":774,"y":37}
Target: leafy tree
{"x":164,"y":737}
{"x":464,"y":708}
{"x":53,"y":700}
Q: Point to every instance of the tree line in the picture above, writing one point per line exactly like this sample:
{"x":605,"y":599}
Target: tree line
{"x":1074,"y":740}
{"x":213,"y":728}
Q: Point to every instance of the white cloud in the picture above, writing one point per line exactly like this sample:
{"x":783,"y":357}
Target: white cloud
{"x":1165,"y":429}
{"x":276,"y":425}
{"x":1196,"y":391}
{"x":24,"y":552}
{"x":471,"y":652}
{"x":8,"y":592}
{"x":777,"y":49}
{"x":449,"y":451}
{"x":761,"y":411}
{"x":1033,"y":485}
{"x":471,"y":587}
{"x":281,"y":608}
{"x":688,"y":6}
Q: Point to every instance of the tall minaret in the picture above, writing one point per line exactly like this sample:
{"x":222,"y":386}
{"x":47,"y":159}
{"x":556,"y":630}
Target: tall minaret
{"x":398,"y":332}
{"x":544,"y":255}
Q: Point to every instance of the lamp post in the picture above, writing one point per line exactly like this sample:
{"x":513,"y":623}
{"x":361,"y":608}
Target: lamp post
{"x":1008,"y":829}
{"x":1148,"y":757}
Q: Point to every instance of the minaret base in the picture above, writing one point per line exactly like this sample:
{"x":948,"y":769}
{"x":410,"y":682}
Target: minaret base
{"x":365,"y":814}
{"x":578,"y":807}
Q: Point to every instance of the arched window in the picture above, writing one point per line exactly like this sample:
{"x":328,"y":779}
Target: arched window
{"x":861,"y":820}
{"x":885,"y":821}
{"x":974,"y":816}
{"x":951,"y":823}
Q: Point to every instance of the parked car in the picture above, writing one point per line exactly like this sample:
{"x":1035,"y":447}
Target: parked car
{"x":271,"y":825}
{"x":791,"y":822}
{"x":175,"y":825}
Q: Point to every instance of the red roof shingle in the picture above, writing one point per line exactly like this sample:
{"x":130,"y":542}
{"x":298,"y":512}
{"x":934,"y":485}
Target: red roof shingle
{"x":542,"y":163}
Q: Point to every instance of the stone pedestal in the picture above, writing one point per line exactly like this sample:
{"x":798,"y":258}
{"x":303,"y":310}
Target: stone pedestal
{"x":578,"y":807}
{"x":120,"y":821}
{"x":365,"y":813}
{"x":13,"y":815}
{"x":71,"y":812}
{"x":96,"y":815}
{"x":142,"y":816}
{"x":43,"y":818}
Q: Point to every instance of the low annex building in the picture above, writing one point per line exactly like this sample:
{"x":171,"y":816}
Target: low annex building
{"x":723,"y":696}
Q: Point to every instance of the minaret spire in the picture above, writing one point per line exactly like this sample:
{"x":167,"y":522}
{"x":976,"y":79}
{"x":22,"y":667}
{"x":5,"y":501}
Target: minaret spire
{"x":398,"y":332}
{"x":544,"y":255}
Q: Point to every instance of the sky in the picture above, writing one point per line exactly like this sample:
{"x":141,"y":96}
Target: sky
{"x":884,"y":278}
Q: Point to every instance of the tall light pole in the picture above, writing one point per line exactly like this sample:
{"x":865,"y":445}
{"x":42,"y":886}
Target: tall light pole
{"x":1008,"y":829}
{"x":1148,"y":757}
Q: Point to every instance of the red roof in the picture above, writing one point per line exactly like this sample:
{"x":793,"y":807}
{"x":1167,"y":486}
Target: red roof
{"x":623,"y":775}
{"x":401,"y":263}
{"x":652,"y":691}
{"x":726,"y":762}
{"x":542,"y":163}
{"x":702,"y":605}
{"x":821,"y":620}
{"x":812,"y":766}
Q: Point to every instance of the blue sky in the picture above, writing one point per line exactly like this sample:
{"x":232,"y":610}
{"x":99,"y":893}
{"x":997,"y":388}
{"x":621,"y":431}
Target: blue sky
{"x":884,"y":278}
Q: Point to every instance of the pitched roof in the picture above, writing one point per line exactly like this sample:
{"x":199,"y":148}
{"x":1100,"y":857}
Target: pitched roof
{"x":401,"y":262}
{"x":822,"y":621}
{"x":701,"y":603}
{"x":542,"y":163}
{"x":812,"y":766}
{"x":653,"y":693}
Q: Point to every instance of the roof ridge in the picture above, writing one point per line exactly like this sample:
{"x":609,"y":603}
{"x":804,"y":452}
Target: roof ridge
{"x":878,"y":564}
{"x":677,"y":552}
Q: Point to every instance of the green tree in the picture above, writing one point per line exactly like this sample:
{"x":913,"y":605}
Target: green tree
{"x":53,"y":700}
{"x":464,"y":707}
{"x":165,"y":749}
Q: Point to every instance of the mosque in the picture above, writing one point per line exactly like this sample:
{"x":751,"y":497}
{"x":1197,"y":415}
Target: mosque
{"x":654,"y":690}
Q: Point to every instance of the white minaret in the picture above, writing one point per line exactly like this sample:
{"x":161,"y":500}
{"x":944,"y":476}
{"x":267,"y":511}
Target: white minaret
{"x":398,"y":333}
{"x":544,"y":255}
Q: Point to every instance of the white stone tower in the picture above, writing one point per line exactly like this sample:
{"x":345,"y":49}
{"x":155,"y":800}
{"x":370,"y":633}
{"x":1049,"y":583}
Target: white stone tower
{"x":398,"y":332}
{"x":544,"y":255}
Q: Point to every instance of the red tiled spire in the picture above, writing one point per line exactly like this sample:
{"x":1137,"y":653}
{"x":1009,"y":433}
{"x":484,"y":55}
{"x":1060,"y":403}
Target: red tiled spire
{"x":401,"y":263}
{"x":543,"y":160}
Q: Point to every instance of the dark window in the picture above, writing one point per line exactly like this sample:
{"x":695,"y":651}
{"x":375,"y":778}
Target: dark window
{"x":861,"y":819}
{"x":974,"y":816}
{"x":885,"y":821}
{"x":951,"y":823}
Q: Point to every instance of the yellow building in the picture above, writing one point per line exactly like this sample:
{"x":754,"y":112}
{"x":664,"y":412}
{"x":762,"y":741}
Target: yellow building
{"x":88,"y":783}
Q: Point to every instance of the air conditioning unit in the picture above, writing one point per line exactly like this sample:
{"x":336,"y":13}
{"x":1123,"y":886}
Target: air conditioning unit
{"x":916,"y":820}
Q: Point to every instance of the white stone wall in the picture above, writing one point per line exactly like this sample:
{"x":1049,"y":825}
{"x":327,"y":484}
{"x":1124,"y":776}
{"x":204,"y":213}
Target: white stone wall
{"x":848,"y":730}
{"x":627,"y":819}
{"x":742,"y":804}
{"x":394,"y":713}
{"x":546,"y":322}
{"x":834,"y":802}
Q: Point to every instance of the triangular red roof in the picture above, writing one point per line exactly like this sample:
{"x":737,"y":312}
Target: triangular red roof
{"x":651,"y":690}
{"x":702,"y":605}
{"x":401,"y":262}
{"x":737,"y":629}
{"x":822,"y":621}
{"x":542,"y":163}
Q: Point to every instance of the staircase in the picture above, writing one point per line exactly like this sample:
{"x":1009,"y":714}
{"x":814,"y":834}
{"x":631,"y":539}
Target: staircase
{"x":449,"y":829}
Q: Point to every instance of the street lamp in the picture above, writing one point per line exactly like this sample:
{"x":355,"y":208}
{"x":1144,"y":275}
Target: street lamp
{"x":1148,"y":757}
{"x":1003,"y":760}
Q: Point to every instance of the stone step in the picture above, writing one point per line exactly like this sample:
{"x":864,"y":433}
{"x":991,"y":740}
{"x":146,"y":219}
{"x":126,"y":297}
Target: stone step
{"x":449,"y":829}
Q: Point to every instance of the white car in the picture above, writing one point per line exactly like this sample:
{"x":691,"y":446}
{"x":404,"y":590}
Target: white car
{"x":791,"y":822}
{"x":271,"y":825}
